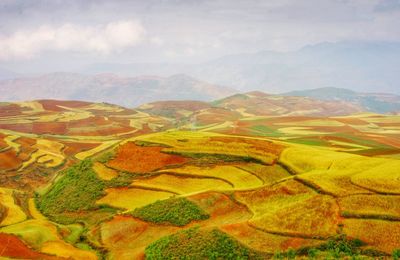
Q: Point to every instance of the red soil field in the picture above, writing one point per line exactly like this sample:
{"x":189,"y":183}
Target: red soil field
{"x":2,"y":142}
{"x":111,"y":130}
{"x":55,"y":128}
{"x":9,"y":160}
{"x":90,"y":121}
{"x":10,"y":110}
{"x":53,"y":105}
{"x":24,"y":128}
{"x":11,"y":246}
{"x":26,"y":148}
{"x":74,"y":148}
{"x":217,"y":115}
{"x":133,"y":158}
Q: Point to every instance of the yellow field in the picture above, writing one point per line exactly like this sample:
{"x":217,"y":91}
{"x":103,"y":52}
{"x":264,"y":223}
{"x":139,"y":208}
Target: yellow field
{"x":226,"y":124}
{"x":14,"y":212}
{"x":302,"y":159}
{"x":48,"y":153}
{"x":383,"y":177}
{"x":42,"y":235}
{"x":319,"y":122}
{"x":10,"y":141}
{"x":127,"y":237}
{"x":334,"y":182}
{"x":63,"y":249}
{"x":132,"y":198}
{"x":342,"y":173}
{"x":239,"y":178}
{"x":267,"y":173}
{"x":262,"y":199}
{"x":104,"y":107}
{"x":352,"y":147}
{"x":34,"y":232}
{"x":379,"y":234}
{"x":292,"y":209}
{"x":97,"y":149}
{"x":182,"y":185}
{"x":308,"y":216}
{"x":35,"y":213}
{"x":65,"y":116}
{"x":33,"y":105}
{"x":104,"y":172}
{"x":193,"y":142}
{"x":375,"y":205}
{"x":265,"y":242}
{"x":300,"y":131}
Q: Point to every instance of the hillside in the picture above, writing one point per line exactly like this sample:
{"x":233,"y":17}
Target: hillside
{"x":205,"y":180}
{"x":261,"y":104}
{"x":373,"y":102}
{"x":125,"y":91}
{"x":340,"y":125}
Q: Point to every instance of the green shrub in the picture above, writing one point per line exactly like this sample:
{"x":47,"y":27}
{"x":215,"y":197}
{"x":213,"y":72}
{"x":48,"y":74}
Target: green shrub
{"x":77,"y":190}
{"x":342,"y":246}
{"x":278,"y":256}
{"x":396,"y":254}
{"x":175,"y":211}
{"x":198,"y":244}
{"x":313,"y":253}
{"x":291,"y":254}
{"x":123,"y":179}
{"x":105,"y":157}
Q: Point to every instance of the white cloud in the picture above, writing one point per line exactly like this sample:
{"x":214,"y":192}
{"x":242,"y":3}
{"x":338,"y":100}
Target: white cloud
{"x":102,"y":39}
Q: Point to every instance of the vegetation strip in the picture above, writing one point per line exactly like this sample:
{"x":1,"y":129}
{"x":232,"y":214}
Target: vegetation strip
{"x":175,"y":211}
{"x":195,"y":243}
{"x":369,"y":216}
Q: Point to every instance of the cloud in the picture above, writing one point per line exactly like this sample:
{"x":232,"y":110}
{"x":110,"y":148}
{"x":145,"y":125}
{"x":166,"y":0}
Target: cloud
{"x":100,"y":39}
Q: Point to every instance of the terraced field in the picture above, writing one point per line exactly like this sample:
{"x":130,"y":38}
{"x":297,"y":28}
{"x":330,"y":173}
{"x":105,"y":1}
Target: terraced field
{"x":146,"y":186}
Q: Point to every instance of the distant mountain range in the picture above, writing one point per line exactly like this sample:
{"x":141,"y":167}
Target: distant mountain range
{"x":125,"y":91}
{"x":361,"y":66}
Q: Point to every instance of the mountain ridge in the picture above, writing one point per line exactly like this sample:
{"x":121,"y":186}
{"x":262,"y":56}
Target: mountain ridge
{"x":108,"y":87}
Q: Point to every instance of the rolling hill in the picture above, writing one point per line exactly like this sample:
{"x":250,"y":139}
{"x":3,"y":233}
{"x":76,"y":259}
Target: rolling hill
{"x":373,"y":102}
{"x":247,"y":177}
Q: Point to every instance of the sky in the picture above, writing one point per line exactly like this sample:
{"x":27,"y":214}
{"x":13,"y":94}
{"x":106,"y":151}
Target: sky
{"x":38,"y":36}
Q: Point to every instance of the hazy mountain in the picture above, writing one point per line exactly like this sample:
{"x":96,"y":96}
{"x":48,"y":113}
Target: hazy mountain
{"x":360,"y":66}
{"x":374,"y":102}
{"x":126,"y":91}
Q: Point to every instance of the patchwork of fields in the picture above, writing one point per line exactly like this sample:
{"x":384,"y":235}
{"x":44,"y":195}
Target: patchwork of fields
{"x":80,"y":180}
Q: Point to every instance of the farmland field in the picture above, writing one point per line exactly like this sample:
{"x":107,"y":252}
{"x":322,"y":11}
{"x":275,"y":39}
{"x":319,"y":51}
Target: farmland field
{"x":81,"y":180}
